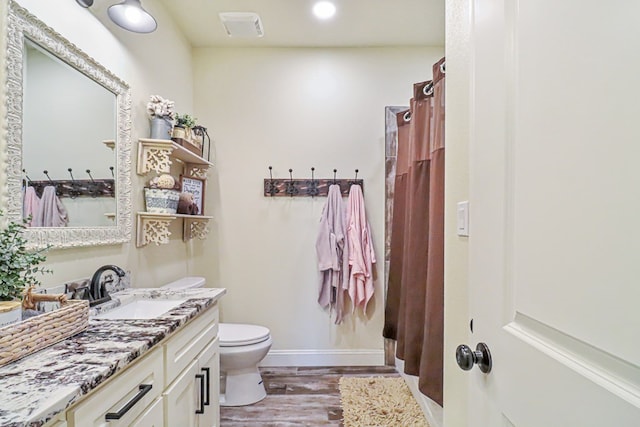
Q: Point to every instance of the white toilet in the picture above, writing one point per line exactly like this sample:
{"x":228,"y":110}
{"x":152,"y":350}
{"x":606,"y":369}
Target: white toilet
{"x":242,"y":347}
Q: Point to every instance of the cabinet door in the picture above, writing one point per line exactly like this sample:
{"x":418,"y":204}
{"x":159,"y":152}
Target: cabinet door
{"x":186,"y":345}
{"x":181,"y":398}
{"x":209,"y":366}
{"x":153,"y":416}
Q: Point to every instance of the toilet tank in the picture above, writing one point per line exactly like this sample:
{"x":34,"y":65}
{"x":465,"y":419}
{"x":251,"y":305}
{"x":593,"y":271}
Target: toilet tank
{"x":187,"y":283}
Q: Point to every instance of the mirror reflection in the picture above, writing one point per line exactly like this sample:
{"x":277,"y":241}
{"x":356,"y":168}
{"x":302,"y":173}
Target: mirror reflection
{"x":55,"y":125}
{"x":69,"y":134}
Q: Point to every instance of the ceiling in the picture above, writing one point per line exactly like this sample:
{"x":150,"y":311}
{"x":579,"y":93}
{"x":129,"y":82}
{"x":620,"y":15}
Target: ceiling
{"x":290,"y":22}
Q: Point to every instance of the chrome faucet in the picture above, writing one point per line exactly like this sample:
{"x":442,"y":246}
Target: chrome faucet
{"x":97,"y":290}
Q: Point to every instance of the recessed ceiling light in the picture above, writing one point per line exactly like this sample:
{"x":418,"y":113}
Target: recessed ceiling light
{"x":324,"y":9}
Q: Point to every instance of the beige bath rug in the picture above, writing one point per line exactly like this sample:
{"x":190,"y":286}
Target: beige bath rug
{"x":379,"y":402}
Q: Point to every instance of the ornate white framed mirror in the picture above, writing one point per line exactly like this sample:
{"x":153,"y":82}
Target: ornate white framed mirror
{"x":68,"y":127}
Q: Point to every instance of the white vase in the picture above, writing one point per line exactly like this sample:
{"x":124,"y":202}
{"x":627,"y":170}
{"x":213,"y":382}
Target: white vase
{"x":161,"y":128}
{"x":10,"y":312}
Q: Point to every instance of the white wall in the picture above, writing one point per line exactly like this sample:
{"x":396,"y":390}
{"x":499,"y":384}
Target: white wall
{"x":289,"y":108}
{"x":456,"y":321}
{"x":295,"y":108}
{"x":158,"y":63}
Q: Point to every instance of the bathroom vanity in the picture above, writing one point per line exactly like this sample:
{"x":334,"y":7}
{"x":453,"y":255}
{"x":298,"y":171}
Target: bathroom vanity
{"x":162,"y":371}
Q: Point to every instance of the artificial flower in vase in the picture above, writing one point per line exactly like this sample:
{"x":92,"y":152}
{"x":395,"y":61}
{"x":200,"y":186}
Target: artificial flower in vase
{"x":161,"y":111}
{"x":18,"y":269}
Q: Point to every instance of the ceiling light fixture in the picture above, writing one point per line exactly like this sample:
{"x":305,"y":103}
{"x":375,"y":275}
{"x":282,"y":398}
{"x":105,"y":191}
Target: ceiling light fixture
{"x":324,"y":9}
{"x":85,"y":3}
{"x":131,"y":16}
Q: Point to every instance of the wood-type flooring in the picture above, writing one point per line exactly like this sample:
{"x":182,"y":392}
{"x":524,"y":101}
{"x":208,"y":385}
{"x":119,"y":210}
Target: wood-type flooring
{"x":299,"y":396}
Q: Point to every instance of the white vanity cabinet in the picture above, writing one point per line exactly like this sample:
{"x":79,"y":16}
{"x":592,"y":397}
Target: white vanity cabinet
{"x":123,"y":398}
{"x":192,"y":375}
{"x":174,"y":384}
{"x":192,"y":399}
{"x":181,"y":399}
{"x":209,"y":364}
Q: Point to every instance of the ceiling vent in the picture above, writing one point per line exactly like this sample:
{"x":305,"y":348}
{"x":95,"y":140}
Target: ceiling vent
{"x":242,"y":24}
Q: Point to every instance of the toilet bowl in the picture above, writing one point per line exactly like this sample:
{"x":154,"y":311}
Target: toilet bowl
{"x":242,"y":347}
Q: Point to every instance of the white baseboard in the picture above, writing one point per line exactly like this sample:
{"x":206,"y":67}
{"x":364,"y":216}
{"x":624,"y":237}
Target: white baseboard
{"x":432,"y":411}
{"x":324,"y":358}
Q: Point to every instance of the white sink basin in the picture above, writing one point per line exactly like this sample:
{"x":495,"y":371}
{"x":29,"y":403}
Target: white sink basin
{"x":141,"y":309}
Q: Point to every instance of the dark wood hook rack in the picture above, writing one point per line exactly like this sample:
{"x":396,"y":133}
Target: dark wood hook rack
{"x":307,"y":187}
{"x":74,"y":187}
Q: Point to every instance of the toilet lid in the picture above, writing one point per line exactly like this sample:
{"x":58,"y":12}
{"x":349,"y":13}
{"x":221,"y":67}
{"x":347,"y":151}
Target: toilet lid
{"x":236,"y":334}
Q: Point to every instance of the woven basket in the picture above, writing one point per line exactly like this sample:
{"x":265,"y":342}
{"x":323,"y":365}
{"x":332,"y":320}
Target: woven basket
{"x":24,"y":338}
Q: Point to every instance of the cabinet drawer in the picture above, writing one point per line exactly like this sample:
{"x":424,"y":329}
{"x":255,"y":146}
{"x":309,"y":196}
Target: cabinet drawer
{"x":184,"y":347}
{"x":118,"y":393}
{"x":153,"y":416}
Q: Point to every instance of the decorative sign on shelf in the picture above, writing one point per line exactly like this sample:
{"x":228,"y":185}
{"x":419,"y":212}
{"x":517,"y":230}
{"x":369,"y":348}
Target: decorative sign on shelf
{"x":194,"y":186}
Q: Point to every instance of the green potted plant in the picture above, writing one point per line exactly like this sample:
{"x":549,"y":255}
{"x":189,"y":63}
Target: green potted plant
{"x":183,"y":133}
{"x":19,"y":269}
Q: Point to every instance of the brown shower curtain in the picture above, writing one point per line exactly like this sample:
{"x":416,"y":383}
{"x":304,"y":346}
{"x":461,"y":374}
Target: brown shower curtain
{"x":415,"y":292}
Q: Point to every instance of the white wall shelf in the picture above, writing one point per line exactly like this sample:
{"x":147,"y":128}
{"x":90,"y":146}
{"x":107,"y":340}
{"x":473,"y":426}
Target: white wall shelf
{"x":154,"y":227}
{"x":158,"y":155}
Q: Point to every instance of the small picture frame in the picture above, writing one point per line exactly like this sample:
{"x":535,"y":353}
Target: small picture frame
{"x":195,"y":186}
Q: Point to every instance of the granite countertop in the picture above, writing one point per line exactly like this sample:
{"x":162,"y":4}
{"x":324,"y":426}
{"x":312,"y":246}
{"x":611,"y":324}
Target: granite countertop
{"x":36,"y":388}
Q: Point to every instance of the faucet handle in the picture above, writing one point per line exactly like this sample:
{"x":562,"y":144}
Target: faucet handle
{"x":81,"y":293}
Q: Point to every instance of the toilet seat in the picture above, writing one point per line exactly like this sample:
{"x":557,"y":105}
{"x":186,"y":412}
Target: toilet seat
{"x":238,"y":334}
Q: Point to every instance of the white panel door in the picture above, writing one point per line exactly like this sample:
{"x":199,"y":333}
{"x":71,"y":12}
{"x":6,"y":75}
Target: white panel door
{"x":554,"y":244}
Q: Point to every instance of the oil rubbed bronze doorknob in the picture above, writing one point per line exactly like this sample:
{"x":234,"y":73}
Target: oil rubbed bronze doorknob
{"x":466,"y":358}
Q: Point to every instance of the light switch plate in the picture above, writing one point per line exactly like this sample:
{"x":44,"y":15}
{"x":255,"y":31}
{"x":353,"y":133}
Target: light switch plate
{"x":463,"y":218}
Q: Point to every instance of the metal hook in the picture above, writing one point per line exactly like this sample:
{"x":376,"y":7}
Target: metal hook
{"x":73,"y":193}
{"x":334,"y":176}
{"x":58,"y":191}
{"x":46,"y":172}
{"x":93,"y":190}
{"x":112,"y":175}
{"x":291,"y":189}
{"x":313,"y":190}
{"x":25,"y":174}
{"x":272,"y":188}
{"x":356,"y":174}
